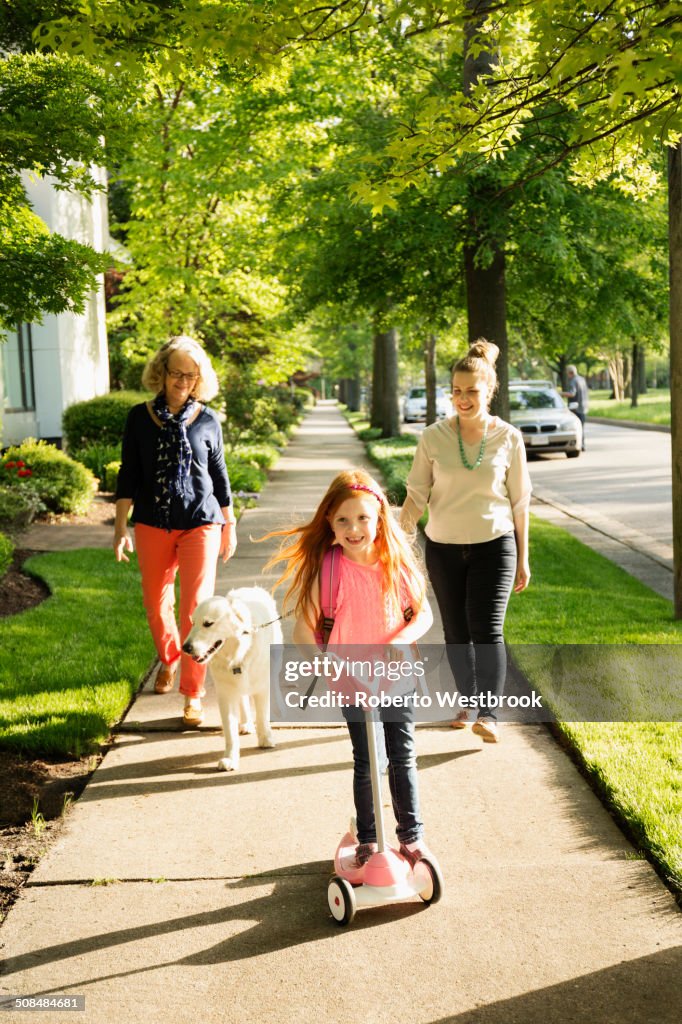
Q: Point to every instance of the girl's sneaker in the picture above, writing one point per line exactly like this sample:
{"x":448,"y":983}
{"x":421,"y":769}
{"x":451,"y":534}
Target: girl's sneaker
{"x":359,"y":857}
{"x":486,"y":728}
{"x":418,"y":850}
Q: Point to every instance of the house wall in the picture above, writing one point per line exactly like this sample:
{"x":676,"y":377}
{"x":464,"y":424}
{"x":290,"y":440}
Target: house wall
{"x":70,"y":358}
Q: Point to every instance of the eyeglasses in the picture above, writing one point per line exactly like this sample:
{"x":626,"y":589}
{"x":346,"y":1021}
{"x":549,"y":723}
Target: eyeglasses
{"x":178,"y":375}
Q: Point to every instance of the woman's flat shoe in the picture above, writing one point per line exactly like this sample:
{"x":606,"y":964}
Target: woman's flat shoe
{"x":165,"y":679}
{"x":193,"y":714}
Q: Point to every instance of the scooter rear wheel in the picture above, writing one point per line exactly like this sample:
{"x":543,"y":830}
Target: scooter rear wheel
{"x":428,"y":875}
{"x":341,"y":900}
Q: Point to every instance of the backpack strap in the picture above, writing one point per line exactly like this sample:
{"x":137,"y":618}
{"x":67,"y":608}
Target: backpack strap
{"x":329,"y":593}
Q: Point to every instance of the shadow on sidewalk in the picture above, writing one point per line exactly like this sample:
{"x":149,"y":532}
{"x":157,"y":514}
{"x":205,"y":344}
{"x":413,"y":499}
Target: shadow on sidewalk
{"x":641,"y":991}
{"x":206,"y":775}
{"x":292,"y":913}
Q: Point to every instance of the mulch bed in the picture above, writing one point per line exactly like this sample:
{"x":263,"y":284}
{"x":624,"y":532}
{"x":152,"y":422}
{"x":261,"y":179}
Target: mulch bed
{"x":19,"y":590}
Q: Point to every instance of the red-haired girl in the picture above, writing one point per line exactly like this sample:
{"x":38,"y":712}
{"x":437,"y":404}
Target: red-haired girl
{"x":379,"y":578}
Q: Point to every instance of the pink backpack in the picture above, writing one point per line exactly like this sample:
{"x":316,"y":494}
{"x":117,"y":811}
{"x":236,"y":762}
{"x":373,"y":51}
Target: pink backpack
{"x":329,"y":593}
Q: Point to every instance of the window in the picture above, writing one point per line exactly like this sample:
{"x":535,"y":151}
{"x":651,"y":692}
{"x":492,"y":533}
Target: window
{"x":17,"y":362}
{"x":534,"y":398}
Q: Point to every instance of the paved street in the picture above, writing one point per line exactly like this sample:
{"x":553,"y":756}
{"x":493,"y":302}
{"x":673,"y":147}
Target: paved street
{"x":625,"y":474}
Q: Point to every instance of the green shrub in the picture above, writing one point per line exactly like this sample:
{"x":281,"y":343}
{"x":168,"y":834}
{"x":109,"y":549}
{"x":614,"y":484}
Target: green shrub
{"x":97,"y":457}
{"x":263,"y":455}
{"x":6,"y":554}
{"x":245,"y":477}
{"x":303,"y":398}
{"x":111,"y":475}
{"x":99,"y":420}
{"x":62,"y":484}
{"x":18,"y":506}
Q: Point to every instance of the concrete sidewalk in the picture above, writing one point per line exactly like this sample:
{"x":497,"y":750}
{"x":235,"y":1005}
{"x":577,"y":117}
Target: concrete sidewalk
{"x":211,"y":902}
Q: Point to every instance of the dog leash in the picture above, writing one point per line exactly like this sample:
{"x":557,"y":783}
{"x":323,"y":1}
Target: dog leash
{"x":262,"y":625}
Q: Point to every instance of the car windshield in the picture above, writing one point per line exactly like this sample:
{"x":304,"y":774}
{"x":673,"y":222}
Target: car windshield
{"x":534,"y":398}
{"x":421,"y":393}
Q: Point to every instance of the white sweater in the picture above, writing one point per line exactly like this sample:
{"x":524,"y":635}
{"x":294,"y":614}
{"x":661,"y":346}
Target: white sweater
{"x":468,"y":506}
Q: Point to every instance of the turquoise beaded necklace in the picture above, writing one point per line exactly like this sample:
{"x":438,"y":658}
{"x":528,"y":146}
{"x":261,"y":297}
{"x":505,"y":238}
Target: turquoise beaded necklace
{"x":481,"y":450}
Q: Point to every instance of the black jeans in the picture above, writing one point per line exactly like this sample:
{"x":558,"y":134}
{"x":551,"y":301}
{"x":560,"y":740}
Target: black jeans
{"x":472,"y":584}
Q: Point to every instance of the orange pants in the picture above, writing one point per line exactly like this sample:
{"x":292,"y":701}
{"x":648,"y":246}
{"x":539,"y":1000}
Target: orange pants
{"x":161,"y":554}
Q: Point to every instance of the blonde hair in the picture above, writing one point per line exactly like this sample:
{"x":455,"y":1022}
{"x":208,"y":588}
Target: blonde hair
{"x":480,"y":359}
{"x":310,"y":542}
{"x":205,"y":388}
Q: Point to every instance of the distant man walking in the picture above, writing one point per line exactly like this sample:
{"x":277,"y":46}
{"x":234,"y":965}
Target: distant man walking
{"x":577,"y":395}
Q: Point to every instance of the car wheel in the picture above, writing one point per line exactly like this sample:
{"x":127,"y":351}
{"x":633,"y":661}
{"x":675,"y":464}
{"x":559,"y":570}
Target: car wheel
{"x":572,"y":455}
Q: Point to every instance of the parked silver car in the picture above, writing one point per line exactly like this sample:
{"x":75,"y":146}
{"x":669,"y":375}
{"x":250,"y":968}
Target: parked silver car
{"x":543,"y":419}
{"x":415,"y":405}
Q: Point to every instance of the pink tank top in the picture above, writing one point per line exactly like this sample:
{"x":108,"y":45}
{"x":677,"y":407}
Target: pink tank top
{"x":363,"y":614}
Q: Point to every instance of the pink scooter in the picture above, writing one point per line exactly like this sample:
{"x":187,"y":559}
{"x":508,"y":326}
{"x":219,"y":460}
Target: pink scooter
{"x":387,"y":876}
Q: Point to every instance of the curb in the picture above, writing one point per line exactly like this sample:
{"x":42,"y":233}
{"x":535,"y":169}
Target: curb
{"x":633,"y":424}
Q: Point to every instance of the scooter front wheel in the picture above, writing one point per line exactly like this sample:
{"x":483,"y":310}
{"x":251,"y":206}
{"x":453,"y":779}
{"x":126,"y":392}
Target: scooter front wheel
{"x":428,"y":877}
{"x":341,"y":900}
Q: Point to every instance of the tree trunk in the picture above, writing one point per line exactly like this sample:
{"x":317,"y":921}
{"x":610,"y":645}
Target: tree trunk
{"x":627,"y":376}
{"x":430,"y":378}
{"x":485,"y":286}
{"x":390,"y":426}
{"x":353,"y":390}
{"x":377,"y":414}
{"x":641,"y":387}
{"x":634,"y":380}
{"x":675,"y":254}
{"x":615,"y":365}
{"x":487,"y":313}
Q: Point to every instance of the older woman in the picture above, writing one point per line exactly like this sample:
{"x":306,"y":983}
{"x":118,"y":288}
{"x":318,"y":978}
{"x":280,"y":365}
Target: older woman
{"x":173,"y":474}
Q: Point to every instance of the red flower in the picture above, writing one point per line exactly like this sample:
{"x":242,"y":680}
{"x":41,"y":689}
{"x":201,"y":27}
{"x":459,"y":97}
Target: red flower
{"x":25,"y":472}
{"x":10,"y":465}
{"x":20,"y":464}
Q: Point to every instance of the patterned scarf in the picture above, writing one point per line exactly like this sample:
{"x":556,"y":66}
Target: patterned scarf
{"x":173,"y":457}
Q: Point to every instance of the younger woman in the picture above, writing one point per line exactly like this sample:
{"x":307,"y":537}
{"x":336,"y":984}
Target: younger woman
{"x":379,"y":578}
{"x":471,"y":472}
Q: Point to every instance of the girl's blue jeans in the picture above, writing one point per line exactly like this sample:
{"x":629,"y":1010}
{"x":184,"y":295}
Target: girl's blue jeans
{"x":402,"y":777}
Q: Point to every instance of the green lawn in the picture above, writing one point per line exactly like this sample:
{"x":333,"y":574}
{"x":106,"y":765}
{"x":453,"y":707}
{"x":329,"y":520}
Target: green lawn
{"x":578,"y":597}
{"x":69,"y":667}
{"x":654,"y":407}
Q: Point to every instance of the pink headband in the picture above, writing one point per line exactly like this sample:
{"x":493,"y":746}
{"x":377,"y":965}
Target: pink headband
{"x":363,"y":487}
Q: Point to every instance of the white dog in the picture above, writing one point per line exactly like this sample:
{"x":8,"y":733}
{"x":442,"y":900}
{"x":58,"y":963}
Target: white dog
{"x":234,"y":633}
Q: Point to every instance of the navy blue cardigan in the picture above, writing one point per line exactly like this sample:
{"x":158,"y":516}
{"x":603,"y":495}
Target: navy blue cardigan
{"x":208,"y":489}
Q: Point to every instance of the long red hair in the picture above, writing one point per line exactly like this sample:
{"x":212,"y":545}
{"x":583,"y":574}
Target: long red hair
{"x":308,"y":544}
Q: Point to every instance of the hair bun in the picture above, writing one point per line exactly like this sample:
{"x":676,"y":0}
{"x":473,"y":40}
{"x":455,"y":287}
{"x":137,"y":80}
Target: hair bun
{"x":482,"y":349}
